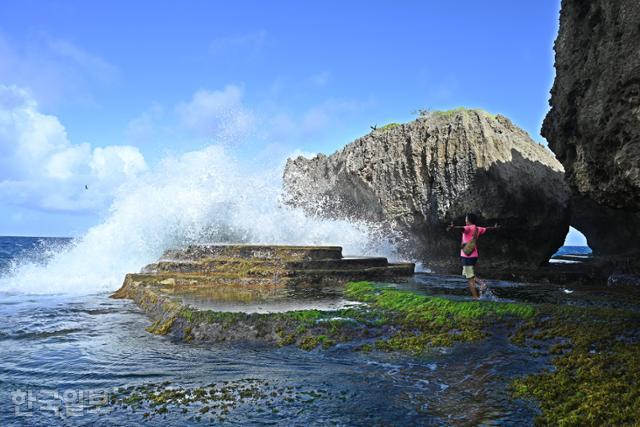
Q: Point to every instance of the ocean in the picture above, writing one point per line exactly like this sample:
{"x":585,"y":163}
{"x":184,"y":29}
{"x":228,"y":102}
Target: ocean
{"x":64,"y":355}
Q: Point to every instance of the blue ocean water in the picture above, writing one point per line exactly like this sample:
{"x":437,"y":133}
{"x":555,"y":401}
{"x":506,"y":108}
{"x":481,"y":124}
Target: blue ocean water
{"x":57,"y":349}
{"x":27,"y":249}
{"x":574,"y":250}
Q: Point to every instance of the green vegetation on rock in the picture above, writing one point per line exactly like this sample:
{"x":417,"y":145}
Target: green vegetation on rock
{"x":595,"y":378}
{"x":215,"y":402}
{"x":594,"y":352}
{"x":421,"y":322}
{"x":398,"y":320}
{"x":389,"y":126}
{"x":430,"y":308}
{"x":453,"y":111}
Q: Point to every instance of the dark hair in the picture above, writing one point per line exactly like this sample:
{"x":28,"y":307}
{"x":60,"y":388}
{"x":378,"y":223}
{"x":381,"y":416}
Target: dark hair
{"x":472,"y":218}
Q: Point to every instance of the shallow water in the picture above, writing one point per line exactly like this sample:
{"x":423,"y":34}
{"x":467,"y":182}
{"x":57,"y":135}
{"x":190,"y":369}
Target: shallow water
{"x":538,"y":293}
{"x":94,"y":344}
{"x":58,"y":352}
{"x":262,"y":299}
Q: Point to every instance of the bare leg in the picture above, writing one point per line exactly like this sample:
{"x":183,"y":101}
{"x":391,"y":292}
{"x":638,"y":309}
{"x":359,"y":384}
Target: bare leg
{"x":483,"y":285}
{"x":472,"y":288}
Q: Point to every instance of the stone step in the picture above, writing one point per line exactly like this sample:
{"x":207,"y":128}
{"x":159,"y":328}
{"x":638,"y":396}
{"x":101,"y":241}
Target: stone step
{"x":221,"y":265}
{"x":338,"y":264}
{"x":388,"y":271}
{"x":278,"y":252}
{"x":276,"y":277}
{"x":243,"y":265}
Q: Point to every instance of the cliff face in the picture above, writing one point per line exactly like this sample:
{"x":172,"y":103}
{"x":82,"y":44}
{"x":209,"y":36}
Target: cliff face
{"x":417,"y":177}
{"x":594,"y":122}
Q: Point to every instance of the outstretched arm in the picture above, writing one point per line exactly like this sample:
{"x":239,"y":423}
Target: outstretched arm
{"x":451,"y":227}
{"x":495,"y":227}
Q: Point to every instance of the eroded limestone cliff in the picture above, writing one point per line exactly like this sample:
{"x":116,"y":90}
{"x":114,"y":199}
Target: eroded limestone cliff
{"x":594,"y":122}
{"x":417,"y":177}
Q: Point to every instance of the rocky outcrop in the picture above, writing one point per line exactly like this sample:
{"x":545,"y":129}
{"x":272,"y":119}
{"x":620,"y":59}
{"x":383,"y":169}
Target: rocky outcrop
{"x":253,"y":293}
{"x":269,"y":265}
{"x":417,"y":177}
{"x":594,"y":122}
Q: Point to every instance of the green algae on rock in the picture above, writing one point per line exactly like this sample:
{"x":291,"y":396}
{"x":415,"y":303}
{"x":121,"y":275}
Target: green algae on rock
{"x":596,"y":365}
{"x":595,"y":378}
{"x":217,"y":402}
{"x":594,"y":353}
{"x":422,"y":322}
{"x":175,"y":291}
{"x":393,"y":320}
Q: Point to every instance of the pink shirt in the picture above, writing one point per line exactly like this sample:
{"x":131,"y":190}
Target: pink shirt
{"x":467,"y":234}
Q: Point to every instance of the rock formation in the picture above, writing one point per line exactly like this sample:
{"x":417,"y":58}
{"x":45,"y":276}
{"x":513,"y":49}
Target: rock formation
{"x":251,"y":292}
{"x":417,"y":177}
{"x":270,"y":265}
{"x":594,"y":122}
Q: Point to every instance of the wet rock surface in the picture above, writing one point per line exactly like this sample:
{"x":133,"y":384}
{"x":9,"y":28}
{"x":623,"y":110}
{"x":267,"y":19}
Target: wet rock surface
{"x":251,"y":293}
{"x":275,"y":265}
{"x":415,"y":178}
{"x":594,"y":122}
{"x":623,"y":280}
{"x":533,"y":341}
{"x":541,"y":338}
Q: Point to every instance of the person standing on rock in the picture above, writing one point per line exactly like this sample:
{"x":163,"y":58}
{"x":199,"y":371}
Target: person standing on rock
{"x":469,"y":250}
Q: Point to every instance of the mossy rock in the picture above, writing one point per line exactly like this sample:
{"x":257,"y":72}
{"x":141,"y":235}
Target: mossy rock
{"x":595,"y":379}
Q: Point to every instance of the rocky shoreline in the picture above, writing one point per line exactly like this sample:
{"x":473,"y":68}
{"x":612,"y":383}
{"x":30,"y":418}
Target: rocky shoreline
{"x":380,"y":317}
{"x":228,"y":272}
{"x":387,"y":319}
{"x":411,"y":180}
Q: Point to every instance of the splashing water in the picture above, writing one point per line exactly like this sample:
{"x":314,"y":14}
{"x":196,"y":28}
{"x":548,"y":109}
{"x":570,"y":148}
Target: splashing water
{"x":203,"y":196}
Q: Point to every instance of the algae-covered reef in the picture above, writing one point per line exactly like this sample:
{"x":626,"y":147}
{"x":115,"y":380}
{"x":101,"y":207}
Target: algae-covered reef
{"x":593,"y":353}
{"x":203,"y":272}
{"x":422,"y":322}
{"x":216,"y":402}
{"x":388,"y":319}
{"x":595,"y":376}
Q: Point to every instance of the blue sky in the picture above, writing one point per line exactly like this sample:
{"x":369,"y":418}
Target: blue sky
{"x":118,"y":85}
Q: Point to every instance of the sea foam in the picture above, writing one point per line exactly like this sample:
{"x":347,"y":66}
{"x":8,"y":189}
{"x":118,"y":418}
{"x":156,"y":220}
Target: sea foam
{"x":204,"y":196}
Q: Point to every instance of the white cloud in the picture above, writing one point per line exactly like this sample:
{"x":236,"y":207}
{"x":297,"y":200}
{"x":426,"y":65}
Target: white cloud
{"x":40,"y":168}
{"x":222,"y":116}
{"x":64,"y":164}
{"x":218,"y":114}
{"x":142,"y":129}
{"x":209,"y":116}
{"x":313,"y":120}
{"x":116,"y":162}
